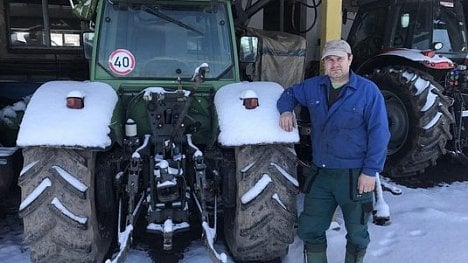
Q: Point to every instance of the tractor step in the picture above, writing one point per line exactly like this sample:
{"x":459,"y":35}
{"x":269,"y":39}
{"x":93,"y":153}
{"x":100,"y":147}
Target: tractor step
{"x":6,"y":154}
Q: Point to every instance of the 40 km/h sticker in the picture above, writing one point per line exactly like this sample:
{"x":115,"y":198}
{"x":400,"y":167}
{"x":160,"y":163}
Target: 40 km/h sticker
{"x":121,"y":62}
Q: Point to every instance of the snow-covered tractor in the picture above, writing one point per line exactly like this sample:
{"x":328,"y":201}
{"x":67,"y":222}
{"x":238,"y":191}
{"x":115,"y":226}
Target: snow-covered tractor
{"x":416,"y":53}
{"x":165,"y":129}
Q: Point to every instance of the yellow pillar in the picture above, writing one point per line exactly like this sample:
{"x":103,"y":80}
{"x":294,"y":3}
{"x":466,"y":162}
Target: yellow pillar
{"x":330,"y":20}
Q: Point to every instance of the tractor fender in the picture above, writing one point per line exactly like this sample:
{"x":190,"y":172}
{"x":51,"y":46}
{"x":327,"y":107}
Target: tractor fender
{"x":241,"y":126}
{"x":411,"y":57}
{"x":48,"y":122}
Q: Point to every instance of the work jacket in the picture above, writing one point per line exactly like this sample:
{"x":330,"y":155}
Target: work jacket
{"x":353,"y":132}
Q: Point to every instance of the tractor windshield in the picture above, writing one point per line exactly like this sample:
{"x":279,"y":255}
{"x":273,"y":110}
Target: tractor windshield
{"x":165,"y":40}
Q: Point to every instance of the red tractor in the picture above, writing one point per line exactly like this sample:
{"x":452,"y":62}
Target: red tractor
{"x":415,"y":51}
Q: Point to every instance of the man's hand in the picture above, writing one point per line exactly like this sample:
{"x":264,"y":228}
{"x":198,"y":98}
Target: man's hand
{"x":287,"y":121}
{"x":366,"y":183}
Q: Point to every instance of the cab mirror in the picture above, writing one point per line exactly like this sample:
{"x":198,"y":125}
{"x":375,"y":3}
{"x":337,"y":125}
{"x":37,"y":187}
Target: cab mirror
{"x":88,"y":40}
{"x":248,"y":49}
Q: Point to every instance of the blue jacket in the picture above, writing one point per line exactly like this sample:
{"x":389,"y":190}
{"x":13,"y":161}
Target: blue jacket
{"x":353,"y":132}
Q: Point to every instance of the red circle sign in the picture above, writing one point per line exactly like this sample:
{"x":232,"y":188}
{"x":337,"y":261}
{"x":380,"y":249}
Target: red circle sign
{"x":121,"y":62}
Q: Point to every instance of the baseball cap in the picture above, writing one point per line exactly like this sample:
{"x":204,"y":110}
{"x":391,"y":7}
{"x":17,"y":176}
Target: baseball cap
{"x":337,"y":47}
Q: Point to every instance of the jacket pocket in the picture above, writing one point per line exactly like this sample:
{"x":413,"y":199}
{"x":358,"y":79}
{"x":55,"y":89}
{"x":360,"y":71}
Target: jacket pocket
{"x":350,"y":117}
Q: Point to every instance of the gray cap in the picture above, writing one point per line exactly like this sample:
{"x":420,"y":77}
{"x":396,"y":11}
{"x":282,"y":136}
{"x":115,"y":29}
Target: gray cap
{"x":337,"y":47}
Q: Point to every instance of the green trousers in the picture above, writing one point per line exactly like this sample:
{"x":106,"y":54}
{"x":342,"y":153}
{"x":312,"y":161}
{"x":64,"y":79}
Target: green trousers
{"x":324,"y":190}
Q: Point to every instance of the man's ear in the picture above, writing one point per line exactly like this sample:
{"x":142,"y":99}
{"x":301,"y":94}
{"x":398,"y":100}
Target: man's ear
{"x":350,"y":57}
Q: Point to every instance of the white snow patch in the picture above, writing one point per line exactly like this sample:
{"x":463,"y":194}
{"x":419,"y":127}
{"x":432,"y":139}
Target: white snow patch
{"x":408,"y":75}
{"x":433,"y":121}
{"x":197,"y":152}
{"x":430,"y":100}
{"x":48,"y":121}
{"x":210,"y":237}
{"x":253,"y":192}
{"x":27,"y":167}
{"x":286,"y":174}
{"x":247,"y":167}
{"x":197,"y":70}
{"x":277,"y":199}
{"x":35,"y":193}
{"x":167,"y":183}
{"x":147,"y":92}
{"x":421,"y":84}
{"x":136,"y":154}
{"x":160,"y":227}
{"x":415,"y":55}
{"x":240,"y":126}
{"x":124,"y":238}
{"x":70,"y":179}
{"x":381,"y":207}
{"x":68,"y":213}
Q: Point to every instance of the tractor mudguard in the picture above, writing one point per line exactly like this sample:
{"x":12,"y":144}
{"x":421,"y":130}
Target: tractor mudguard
{"x":260,"y":125}
{"x":48,"y":122}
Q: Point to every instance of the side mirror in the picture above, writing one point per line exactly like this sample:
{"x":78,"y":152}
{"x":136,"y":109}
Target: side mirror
{"x":248,"y":49}
{"x":88,"y":40}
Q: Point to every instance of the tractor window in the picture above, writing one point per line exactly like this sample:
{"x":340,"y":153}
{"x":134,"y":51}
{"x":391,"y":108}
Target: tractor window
{"x":366,"y":35}
{"x":28,"y":28}
{"x":413,"y":26}
{"x":449,"y":28}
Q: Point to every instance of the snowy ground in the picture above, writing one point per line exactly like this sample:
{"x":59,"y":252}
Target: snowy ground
{"x":428,"y":225}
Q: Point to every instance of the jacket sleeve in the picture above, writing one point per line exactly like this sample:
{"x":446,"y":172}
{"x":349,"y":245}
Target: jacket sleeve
{"x":291,"y":97}
{"x":378,"y":134}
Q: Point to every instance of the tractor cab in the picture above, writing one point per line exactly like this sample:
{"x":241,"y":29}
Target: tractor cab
{"x":422,"y":25}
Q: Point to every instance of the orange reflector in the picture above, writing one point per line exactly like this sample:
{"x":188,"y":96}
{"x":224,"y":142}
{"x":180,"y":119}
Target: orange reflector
{"x":75,"y":103}
{"x":250,"y":103}
{"x":428,"y":53}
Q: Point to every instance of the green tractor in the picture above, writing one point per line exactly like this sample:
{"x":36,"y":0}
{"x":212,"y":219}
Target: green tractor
{"x":165,"y":129}
{"x":416,"y":51}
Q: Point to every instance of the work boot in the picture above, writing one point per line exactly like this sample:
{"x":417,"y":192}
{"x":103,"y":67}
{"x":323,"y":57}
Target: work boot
{"x":315,"y":254}
{"x":354,"y":254}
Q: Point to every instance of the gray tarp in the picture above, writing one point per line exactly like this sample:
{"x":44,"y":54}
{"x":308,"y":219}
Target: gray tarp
{"x":282,"y":57}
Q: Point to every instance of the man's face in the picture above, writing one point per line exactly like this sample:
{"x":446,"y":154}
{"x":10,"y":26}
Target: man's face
{"x":337,"y":68}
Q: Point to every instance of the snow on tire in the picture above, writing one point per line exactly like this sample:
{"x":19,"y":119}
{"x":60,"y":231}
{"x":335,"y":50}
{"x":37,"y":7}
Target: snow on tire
{"x":261,"y":225}
{"x":419,"y":119}
{"x":58,"y":210}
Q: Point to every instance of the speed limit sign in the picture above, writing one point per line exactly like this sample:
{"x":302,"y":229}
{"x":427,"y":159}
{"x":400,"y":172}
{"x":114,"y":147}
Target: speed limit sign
{"x":121,"y":62}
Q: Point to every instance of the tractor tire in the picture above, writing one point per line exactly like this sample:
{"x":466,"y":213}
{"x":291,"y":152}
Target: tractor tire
{"x":261,"y":225}
{"x":58,"y":206}
{"x":419,"y":119}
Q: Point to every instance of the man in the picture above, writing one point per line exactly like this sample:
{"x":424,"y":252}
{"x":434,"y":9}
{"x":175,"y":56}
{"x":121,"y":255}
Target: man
{"x":349,"y":135}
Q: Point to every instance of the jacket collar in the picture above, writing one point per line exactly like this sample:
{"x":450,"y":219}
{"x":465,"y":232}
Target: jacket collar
{"x":352,"y":83}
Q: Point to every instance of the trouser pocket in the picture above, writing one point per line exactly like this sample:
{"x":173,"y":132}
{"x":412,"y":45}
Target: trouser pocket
{"x":309,"y":179}
{"x":354,"y":194}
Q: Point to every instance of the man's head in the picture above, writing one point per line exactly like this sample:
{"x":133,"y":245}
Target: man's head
{"x":337,"y":58}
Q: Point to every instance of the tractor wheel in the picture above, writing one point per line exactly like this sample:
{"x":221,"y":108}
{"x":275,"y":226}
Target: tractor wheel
{"x":419,"y":119}
{"x":260,"y":226}
{"x":58,"y":206}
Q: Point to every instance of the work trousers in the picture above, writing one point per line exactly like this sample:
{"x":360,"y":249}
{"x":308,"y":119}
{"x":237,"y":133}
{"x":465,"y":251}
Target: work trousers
{"x":324,"y":190}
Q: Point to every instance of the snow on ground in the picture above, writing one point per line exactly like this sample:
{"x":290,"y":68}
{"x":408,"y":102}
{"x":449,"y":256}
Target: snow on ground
{"x":428,"y":225}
